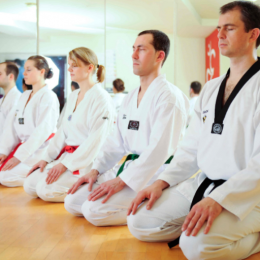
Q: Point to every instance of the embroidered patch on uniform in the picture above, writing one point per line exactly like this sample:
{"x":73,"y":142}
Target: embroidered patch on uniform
{"x":104,"y":117}
{"x":69,"y":118}
{"x":217,"y":128}
{"x":21,"y":121}
{"x":206,"y":111}
{"x":204,"y":119}
{"x":124,"y":116}
{"x":133,"y":125}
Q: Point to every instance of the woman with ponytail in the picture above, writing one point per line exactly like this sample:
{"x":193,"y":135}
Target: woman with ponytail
{"x":88,"y":120}
{"x":30,"y":125}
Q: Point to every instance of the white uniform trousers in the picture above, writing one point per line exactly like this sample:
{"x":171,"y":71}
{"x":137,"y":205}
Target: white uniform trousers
{"x":164,"y":221}
{"x":36,"y":186}
{"x":229,"y":238}
{"x":113,"y":212}
{"x":16,"y":176}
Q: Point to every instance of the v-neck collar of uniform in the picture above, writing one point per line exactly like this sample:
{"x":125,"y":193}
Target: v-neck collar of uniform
{"x":43,"y":89}
{"x":77,"y":95}
{"x":149,"y":89}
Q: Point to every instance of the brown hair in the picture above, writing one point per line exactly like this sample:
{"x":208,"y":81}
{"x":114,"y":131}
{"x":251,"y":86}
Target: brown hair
{"x":250,"y":14}
{"x":119,"y":85}
{"x":29,"y":87}
{"x":41,"y":63}
{"x":88,"y":57}
{"x":11,"y":68}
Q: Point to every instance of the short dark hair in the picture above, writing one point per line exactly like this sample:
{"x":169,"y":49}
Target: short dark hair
{"x":29,"y":87}
{"x":119,"y":85}
{"x":161,"y":41}
{"x":250,"y":14}
{"x":11,"y":68}
{"x":196,"y":86}
{"x":75,"y":84}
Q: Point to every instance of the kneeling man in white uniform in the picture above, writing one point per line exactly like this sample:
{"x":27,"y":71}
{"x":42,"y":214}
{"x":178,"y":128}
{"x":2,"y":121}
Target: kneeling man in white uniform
{"x":150,"y":123}
{"x":217,"y":213}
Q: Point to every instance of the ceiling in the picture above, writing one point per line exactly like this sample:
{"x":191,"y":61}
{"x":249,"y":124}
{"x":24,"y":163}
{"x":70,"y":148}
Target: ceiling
{"x":195,"y":18}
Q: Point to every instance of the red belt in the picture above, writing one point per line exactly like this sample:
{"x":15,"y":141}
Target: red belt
{"x":11,"y":155}
{"x":68,"y":149}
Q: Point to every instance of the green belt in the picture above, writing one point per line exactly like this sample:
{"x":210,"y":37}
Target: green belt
{"x":133,"y":157}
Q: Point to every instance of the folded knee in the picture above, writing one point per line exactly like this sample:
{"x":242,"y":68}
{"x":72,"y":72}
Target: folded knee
{"x":136,"y":229}
{"x":203,"y":247}
{"x":191,"y":246}
{"x":71,"y":205}
{"x":11,"y":180}
{"x":92,"y":214}
{"x":153,"y":228}
{"x":29,"y":188}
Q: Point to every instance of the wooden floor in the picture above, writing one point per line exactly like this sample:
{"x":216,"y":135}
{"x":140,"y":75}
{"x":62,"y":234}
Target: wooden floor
{"x":33,"y":229}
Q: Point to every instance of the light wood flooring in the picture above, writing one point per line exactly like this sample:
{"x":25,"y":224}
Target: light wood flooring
{"x":34,"y":229}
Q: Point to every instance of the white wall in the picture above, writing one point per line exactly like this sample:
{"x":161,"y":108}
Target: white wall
{"x":190,"y":62}
{"x":224,"y":64}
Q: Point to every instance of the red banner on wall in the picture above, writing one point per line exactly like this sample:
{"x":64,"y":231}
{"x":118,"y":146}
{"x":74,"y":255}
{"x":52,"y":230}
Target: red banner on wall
{"x":212,"y":56}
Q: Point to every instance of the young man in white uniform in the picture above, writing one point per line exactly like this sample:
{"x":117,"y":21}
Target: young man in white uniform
{"x":8,"y":75}
{"x":223,"y":140}
{"x":150,"y":124}
{"x":195,"y":88}
{"x":31,"y":124}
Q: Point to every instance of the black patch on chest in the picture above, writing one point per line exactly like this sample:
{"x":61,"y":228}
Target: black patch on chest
{"x":133,"y":125}
{"x":21,"y":121}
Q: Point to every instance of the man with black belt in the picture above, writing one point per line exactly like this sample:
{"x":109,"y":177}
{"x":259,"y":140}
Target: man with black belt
{"x":217,"y":213}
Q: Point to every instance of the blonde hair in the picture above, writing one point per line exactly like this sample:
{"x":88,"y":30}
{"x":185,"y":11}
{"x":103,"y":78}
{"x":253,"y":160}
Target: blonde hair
{"x":88,"y":57}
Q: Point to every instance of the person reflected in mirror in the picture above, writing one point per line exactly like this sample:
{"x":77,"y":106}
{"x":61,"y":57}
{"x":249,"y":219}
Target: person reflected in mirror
{"x":118,"y":89}
{"x":194,"y":91}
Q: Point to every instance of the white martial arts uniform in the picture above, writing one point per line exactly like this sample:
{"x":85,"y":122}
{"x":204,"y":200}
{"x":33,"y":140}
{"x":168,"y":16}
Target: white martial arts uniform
{"x":6,"y":104}
{"x":61,"y":116}
{"x":153,"y":131}
{"x":192,"y":107}
{"x":234,"y":156}
{"x":87,"y":128}
{"x":40,"y":117}
{"x":118,"y":100}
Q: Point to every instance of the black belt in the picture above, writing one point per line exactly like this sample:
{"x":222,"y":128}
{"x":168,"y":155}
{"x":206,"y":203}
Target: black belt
{"x":198,"y":197}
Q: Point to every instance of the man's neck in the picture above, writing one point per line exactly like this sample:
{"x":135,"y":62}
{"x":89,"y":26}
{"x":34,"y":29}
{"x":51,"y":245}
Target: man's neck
{"x":240,"y":65}
{"x":147,"y":80}
{"x":8,"y":88}
{"x":194,"y":95}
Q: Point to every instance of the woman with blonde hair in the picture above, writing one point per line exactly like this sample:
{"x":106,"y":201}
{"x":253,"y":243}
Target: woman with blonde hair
{"x":88,"y":119}
{"x":30,"y":125}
